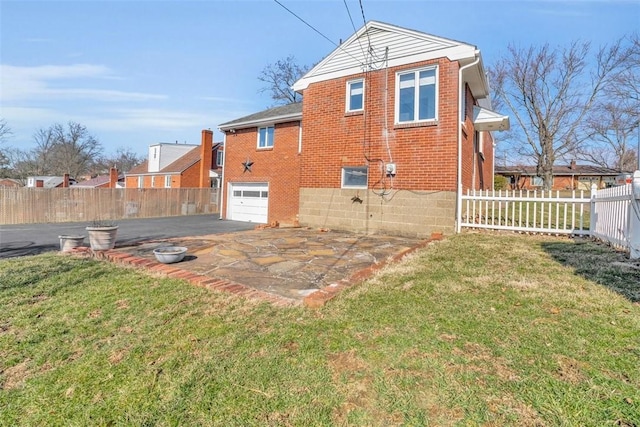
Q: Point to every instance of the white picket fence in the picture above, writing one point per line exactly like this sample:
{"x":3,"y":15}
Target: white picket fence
{"x":604,"y":214}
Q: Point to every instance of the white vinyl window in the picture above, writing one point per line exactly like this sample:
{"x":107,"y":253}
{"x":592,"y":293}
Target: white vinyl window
{"x":219,"y":157}
{"x":537,"y":181}
{"x":167,"y":181}
{"x":265,"y":137}
{"x":355,"y":95}
{"x":140,"y":182}
{"x":417,"y":95}
{"x":355,"y":176}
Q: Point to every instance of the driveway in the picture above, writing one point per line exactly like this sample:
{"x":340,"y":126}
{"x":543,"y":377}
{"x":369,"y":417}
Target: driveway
{"x":33,"y":239}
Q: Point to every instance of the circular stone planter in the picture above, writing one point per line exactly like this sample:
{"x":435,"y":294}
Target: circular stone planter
{"x":170,"y":254}
{"x":68,"y":243}
{"x":102,"y":238}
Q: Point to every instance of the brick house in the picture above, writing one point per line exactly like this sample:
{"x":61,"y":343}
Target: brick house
{"x":565,"y":177}
{"x":383,"y":141}
{"x":179,"y":165}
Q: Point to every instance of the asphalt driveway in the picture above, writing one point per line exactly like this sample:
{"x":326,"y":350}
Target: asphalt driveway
{"x":33,"y":239}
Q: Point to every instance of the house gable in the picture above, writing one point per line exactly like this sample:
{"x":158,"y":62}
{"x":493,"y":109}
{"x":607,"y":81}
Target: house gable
{"x":378,"y":45}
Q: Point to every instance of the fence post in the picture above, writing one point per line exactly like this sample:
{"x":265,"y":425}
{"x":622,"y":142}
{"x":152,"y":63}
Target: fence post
{"x":634,"y":217}
{"x":593,"y":217}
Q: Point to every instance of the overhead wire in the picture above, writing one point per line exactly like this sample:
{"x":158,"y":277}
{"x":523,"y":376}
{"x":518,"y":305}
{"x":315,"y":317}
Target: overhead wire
{"x":339,"y":46}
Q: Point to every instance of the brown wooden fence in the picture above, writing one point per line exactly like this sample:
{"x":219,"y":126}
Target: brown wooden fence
{"x":42,"y":205}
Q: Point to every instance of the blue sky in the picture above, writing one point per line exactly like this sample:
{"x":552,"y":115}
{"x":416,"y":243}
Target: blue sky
{"x":141,"y":72}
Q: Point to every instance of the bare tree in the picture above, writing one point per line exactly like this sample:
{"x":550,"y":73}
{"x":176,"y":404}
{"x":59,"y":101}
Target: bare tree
{"x":124,"y":159}
{"x":612,"y":135}
{"x":280,"y":77}
{"x":550,"y":91}
{"x":59,"y":150}
{"x":614,"y":123}
{"x":5,"y":133}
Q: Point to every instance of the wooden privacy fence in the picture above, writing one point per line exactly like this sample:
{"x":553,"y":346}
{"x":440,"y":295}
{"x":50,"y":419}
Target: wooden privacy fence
{"x":611,"y":214}
{"x":43,"y":205}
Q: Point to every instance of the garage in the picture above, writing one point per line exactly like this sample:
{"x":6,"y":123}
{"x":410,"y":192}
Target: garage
{"x":248,"y":202}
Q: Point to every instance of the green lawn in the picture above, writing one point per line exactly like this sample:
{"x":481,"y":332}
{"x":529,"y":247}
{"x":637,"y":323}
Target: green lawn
{"x":479,"y":329}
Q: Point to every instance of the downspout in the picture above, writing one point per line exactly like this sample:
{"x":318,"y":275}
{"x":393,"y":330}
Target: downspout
{"x":222,"y":186}
{"x":460,"y":95}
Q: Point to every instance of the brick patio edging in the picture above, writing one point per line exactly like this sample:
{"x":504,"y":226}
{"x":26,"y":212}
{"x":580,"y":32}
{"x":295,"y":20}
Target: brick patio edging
{"x":320,"y":297}
{"x":173,"y":271}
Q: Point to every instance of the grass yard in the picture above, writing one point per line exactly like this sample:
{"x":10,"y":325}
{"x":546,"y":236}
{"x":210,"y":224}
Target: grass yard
{"x":479,"y":329}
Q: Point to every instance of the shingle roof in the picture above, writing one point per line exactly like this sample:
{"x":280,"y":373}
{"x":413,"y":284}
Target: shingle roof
{"x":184,"y":162}
{"x":140,"y":169}
{"x":280,"y":114}
{"x":559,"y":170}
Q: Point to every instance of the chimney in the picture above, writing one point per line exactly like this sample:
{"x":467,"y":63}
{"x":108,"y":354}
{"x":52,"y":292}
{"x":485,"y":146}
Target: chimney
{"x":65,"y":180}
{"x":206,"y":158}
{"x":113,"y":177}
{"x":572,"y":165}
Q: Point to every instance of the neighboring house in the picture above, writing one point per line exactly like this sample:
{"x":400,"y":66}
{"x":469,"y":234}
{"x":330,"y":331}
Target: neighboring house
{"x":393,"y":125}
{"x":10,"y":183}
{"x":179,"y":165}
{"x":113,"y":180}
{"x":49,"y":181}
{"x":565,"y":177}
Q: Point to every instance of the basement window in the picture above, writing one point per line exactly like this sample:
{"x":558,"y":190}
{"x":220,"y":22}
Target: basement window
{"x":355,"y":177}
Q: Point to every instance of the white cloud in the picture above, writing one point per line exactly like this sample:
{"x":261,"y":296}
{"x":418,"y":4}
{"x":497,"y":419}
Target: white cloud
{"x":147,"y":118}
{"x":28,"y":83}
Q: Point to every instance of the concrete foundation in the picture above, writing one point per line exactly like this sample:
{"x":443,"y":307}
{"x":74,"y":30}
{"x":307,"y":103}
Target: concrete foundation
{"x":402,"y":213}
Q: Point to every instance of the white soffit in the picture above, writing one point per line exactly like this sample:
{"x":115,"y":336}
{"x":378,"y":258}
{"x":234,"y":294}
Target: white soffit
{"x":487,"y":120}
{"x":405,"y":47}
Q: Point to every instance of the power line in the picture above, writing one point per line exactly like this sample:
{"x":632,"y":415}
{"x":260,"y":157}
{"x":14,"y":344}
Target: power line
{"x":354,"y":28}
{"x":306,"y":23}
{"x":318,"y":31}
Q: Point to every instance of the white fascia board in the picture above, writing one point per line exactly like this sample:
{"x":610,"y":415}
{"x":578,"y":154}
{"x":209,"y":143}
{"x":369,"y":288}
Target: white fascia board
{"x":487,"y":120}
{"x":261,"y":122}
{"x":457,"y":53}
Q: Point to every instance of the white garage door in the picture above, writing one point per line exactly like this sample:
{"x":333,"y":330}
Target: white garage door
{"x":249,"y":202}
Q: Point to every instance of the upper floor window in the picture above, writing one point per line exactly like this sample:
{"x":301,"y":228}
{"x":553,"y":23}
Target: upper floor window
{"x":265,"y":137}
{"x":416,"y":95}
{"x":355,"y":95}
{"x":219,"y":157}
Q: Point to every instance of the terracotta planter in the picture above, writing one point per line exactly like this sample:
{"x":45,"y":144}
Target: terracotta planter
{"x":67,"y":243}
{"x":102,"y":238}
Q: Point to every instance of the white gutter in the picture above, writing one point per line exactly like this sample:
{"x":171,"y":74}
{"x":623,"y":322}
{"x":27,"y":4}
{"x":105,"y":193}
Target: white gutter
{"x":222,"y":190}
{"x":461,"y":93}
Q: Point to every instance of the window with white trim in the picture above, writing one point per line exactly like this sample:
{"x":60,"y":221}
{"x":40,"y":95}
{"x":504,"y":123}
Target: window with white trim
{"x":140,"y":182}
{"x":537,"y":181}
{"x":265,"y":137}
{"x":355,"y":95}
{"x":153,"y":181}
{"x":219,"y":157}
{"x":167,"y":181}
{"x":417,"y":95}
{"x":355,"y":177}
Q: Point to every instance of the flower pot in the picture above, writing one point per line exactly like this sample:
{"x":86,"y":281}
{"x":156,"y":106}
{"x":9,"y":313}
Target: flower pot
{"x":67,"y":243}
{"x":102,"y":238}
{"x":170,"y":254}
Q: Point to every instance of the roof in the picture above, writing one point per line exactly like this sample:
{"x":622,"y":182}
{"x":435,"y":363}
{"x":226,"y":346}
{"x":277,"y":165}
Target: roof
{"x":97,"y":181}
{"x":281,"y":114}
{"x":559,"y":170}
{"x":177,"y":166}
{"x":379,"y":44}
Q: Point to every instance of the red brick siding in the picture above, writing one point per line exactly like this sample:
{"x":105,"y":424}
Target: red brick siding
{"x":425,"y":156}
{"x":278,"y":166}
